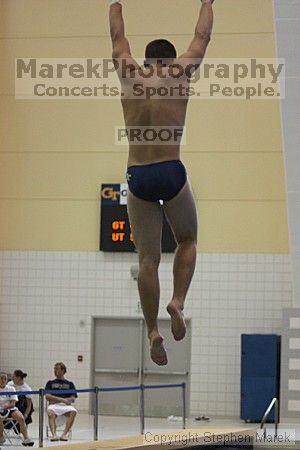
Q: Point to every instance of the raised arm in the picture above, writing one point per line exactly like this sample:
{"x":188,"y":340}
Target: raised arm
{"x":120,"y":44}
{"x":203,"y":31}
{"x":121,"y":48}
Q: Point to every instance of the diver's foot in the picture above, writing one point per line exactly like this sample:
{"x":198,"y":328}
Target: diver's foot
{"x":157,"y":350}
{"x":177,"y":320}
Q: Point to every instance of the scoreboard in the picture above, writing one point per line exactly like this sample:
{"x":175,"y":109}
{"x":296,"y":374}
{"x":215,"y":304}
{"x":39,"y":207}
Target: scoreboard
{"x":115,"y":232}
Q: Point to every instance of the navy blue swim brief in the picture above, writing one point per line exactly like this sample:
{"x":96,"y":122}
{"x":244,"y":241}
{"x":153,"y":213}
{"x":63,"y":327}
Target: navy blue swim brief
{"x":157,"y":181}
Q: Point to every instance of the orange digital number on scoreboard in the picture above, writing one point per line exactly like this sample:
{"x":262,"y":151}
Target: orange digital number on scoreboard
{"x":118,"y":225}
{"x":117,"y":237}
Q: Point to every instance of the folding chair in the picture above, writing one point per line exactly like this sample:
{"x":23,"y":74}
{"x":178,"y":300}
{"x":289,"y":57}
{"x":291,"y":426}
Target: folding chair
{"x":11,"y":431}
{"x":60,"y":424}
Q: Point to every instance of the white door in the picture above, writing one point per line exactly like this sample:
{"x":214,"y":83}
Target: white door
{"x":116,"y":364}
{"x":121,"y":358}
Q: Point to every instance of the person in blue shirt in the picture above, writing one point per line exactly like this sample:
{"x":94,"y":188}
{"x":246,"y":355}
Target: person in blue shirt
{"x":60,"y":409}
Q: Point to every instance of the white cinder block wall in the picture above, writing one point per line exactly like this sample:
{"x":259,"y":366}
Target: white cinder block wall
{"x":44,"y":296}
{"x":287,"y":25}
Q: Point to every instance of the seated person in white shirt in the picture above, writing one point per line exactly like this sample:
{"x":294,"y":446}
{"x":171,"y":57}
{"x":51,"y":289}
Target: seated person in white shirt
{"x":8,"y":410}
{"x":24,"y":404}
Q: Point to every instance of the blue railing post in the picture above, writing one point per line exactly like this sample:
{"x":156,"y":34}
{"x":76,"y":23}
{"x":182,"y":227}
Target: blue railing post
{"x":142,"y":409}
{"x":183,"y":406}
{"x":41,"y":417}
{"x":96,"y":411}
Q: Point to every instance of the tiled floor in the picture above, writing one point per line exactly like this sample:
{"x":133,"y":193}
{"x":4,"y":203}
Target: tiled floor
{"x":111,"y":427}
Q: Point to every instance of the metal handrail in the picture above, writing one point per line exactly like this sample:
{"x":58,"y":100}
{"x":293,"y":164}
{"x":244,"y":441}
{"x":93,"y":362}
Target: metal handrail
{"x":97,"y":390}
{"x":275,"y":402}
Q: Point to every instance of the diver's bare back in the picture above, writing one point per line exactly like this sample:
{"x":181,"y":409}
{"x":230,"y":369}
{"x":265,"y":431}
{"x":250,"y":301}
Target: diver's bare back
{"x":143,"y":111}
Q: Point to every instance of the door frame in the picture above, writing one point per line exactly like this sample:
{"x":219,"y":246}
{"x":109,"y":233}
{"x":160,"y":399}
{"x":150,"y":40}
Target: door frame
{"x":141,"y":347}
